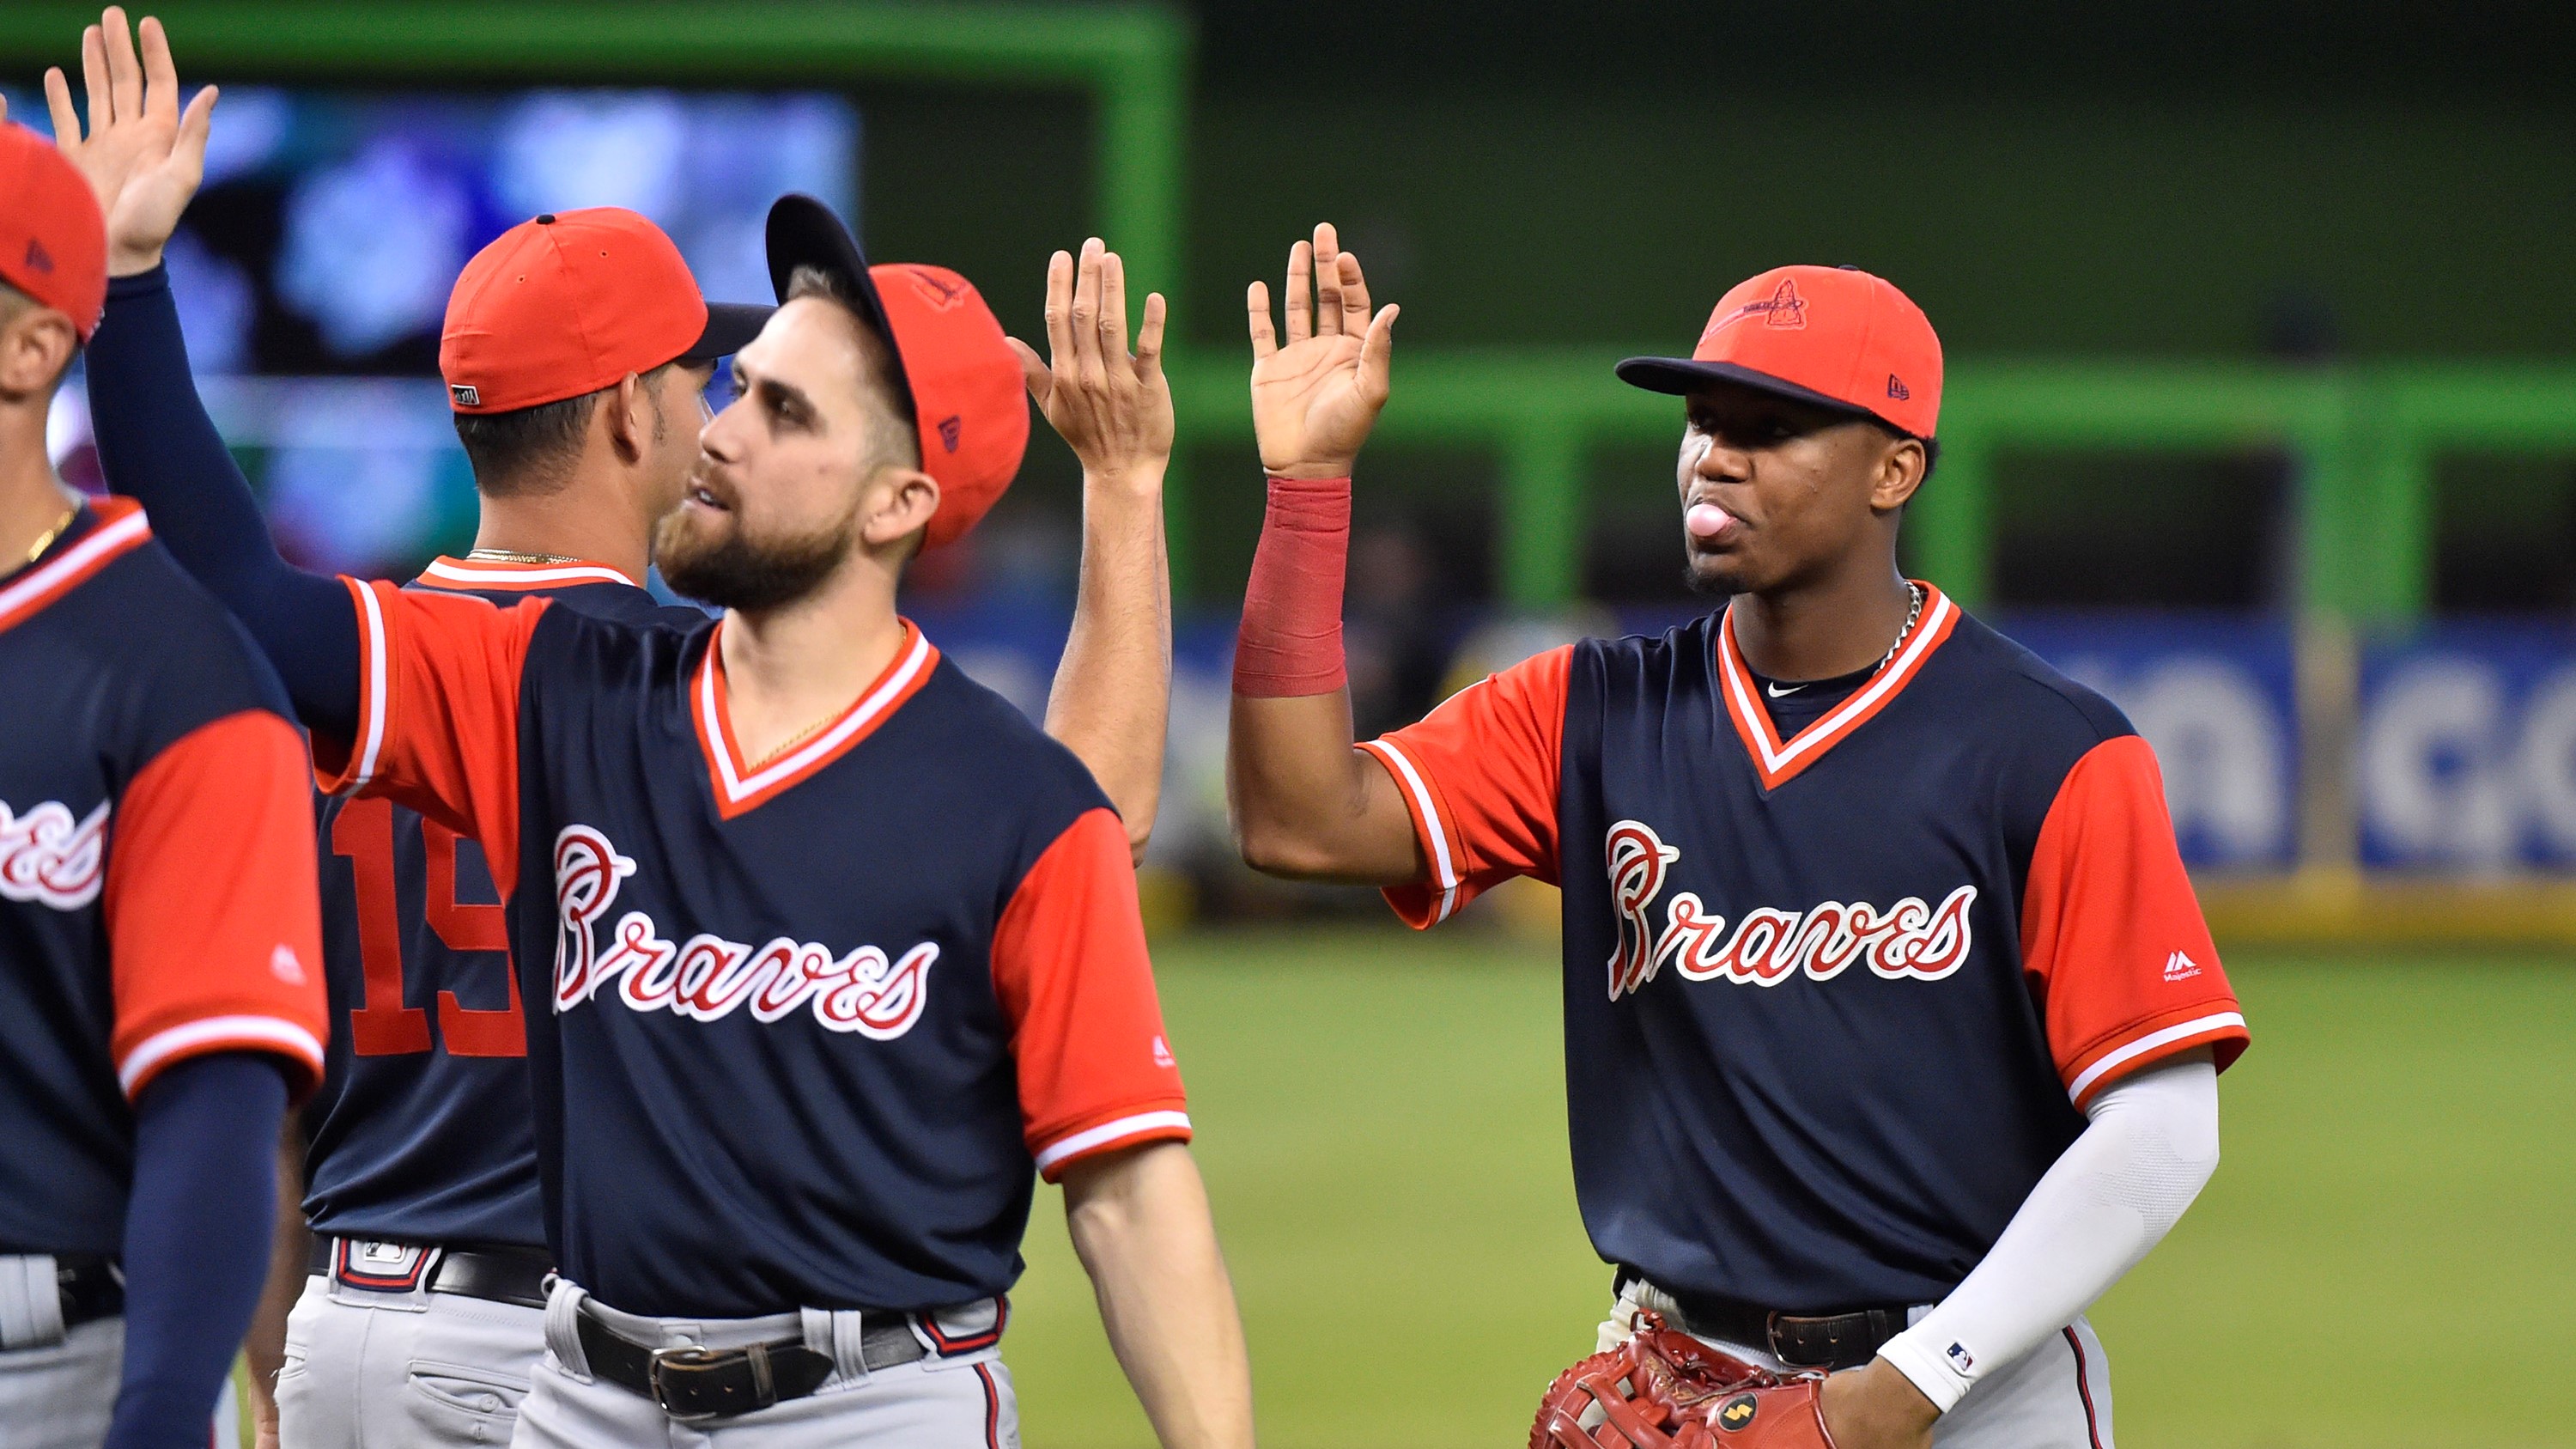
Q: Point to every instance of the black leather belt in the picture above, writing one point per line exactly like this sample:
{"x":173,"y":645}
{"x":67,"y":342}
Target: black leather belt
{"x":92,"y":1288}
{"x":708,"y":1383}
{"x":496,"y":1275}
{"x":1831,"y":1341}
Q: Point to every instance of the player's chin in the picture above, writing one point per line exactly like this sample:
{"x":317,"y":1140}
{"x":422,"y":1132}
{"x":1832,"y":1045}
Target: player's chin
{"x":1714,"y":572}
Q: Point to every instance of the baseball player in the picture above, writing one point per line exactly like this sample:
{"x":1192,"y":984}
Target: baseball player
{"x":160,"y":965}
{"x":835,"y":946}
{"x":420,"y":1320}
{"x":1892,"y":1025}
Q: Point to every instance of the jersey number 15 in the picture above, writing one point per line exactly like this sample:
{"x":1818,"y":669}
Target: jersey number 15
{"x":385,"y":1027}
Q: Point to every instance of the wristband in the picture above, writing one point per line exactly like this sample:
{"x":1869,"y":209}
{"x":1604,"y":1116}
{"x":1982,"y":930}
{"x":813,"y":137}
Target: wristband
{"x":1290,"y":642}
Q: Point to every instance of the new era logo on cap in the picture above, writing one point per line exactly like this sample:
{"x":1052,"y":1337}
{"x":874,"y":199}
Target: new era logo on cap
{"x":950,"y":429}
{"x":1896,"y":388}
{"x":39,"y":259}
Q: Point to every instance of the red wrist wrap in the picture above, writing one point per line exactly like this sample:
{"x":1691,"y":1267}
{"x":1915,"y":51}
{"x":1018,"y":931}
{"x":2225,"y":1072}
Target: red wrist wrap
{"x":1291,"y":639}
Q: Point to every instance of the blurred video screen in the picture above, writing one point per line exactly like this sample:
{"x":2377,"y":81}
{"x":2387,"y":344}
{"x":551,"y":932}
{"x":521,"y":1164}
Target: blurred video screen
{"x":313,"y":269}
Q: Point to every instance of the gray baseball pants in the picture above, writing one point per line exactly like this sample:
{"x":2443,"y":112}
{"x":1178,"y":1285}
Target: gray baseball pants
{"x":960,"y":1402}
{"x":2057,"y":1397}
{"x":57,"y":1386}
{"x":412,"y":1369}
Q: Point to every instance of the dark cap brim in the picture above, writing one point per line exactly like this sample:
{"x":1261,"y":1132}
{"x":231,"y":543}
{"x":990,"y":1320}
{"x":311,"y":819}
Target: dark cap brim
{"x":1681,"y":376}
{"x":803,"y":232}
{"x":729,"y":326}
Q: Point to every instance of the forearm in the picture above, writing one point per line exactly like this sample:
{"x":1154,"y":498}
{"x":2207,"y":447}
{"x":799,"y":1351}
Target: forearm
{"x":1112,"y":698}
{"x":196,"y":1240}
{"x":2113,"y":1195}
{"x":1305,"y":803}
{"x":1141,"y":1226}
{"x":157,"y":445}
{"x":290,"y":1251}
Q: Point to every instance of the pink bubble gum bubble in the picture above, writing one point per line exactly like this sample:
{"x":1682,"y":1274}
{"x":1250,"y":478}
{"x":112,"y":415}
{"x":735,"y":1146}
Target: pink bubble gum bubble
{"x":1706,"y":520}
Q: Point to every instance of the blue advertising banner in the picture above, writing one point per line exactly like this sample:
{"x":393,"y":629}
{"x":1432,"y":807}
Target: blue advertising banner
{"x":2466,"y":757}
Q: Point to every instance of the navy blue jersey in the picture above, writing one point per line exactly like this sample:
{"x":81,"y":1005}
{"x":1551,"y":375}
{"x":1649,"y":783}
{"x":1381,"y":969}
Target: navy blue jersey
{"x":1833,"y":1003}
{"x":420,"y":1132}
{"x":156,"y":867}
{"x":809,"y":1022}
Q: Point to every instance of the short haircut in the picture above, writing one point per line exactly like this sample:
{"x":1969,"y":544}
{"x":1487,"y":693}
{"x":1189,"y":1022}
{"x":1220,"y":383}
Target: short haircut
{"x":526,"y":452}
{"x":14,"y":303}
{"x":896,"y":438}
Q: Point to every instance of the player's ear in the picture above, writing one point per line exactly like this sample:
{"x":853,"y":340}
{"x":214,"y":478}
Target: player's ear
{"x":898,"y":504}
{"x":36,"y":347}
{"x":629,"y":411}
{"x":1900,"y":471}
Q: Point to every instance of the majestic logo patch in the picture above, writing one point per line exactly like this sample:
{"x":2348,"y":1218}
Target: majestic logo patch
{"x":1737,"y":1412}
{"x":286,"y":966}
{"x":48,"y":858}
{"x":466,"y":394}
{"x":1783,"y":310}
{"x":2179,"y":967}
{"x":706,"y":978}
{"x":1767,"y":947}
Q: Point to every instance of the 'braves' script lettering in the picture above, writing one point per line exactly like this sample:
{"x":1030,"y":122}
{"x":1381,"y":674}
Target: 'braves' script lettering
{"x":48,"y":858}
{"x":706,"y":977}
{"x":1768,"y":946}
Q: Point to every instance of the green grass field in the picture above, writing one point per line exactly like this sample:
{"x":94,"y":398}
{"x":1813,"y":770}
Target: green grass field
{"x":2384,"y":1258}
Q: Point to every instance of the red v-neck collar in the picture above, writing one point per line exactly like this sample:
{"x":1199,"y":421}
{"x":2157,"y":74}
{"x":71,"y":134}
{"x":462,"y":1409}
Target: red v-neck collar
{"x":740,"y":789}
{"x":119,"y":529}
{"x":1777,"y":761}
{"x":483,"y":575}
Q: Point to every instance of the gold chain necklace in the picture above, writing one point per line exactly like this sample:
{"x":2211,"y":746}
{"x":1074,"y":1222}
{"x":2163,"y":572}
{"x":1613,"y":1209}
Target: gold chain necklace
{"x":503,"y":555}
{"x":800,"y":737}
{"x":45,"y":540}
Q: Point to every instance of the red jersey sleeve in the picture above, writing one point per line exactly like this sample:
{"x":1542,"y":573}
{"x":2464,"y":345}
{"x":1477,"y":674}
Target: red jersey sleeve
{"x":213,"y":915}
{"x":1479,"y":775}
{"x":438,"y":713}
{"x":1070,"y":967}
{"x":2112,"y":939}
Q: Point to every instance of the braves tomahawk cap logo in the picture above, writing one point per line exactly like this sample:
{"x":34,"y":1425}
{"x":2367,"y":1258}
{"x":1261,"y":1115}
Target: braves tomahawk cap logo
{"x":1783,"y":310}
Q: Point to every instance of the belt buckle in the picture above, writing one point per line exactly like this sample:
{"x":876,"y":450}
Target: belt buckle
{"x":764,"y":1389}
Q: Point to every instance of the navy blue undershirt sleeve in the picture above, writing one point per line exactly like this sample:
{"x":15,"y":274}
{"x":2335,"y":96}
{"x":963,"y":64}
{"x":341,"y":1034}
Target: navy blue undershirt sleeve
{"x":157,"y":446}
{"x":197,"y":1231}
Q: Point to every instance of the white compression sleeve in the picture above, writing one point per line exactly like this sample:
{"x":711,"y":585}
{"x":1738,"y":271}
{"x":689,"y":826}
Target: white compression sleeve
{"x":2109,"y":1199}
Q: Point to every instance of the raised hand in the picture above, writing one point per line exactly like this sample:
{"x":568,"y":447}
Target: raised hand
{"x":1315,"y":398}
{"x":1113,"y":407}
{"x":143,"y":157}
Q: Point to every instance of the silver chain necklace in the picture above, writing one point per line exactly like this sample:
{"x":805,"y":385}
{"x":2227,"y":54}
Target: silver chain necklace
{"x":1913,"y":616}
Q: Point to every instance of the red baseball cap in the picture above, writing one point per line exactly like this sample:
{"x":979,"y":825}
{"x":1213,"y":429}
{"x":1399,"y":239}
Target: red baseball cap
{"x":569,"y":303}
{"x":53,"y":242}
{"x":1834,"y":336}
{"x":969,"y":402}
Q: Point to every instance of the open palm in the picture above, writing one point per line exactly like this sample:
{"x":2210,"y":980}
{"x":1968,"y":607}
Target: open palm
{"x":1315,"y":398}
{"x":143,"y":157}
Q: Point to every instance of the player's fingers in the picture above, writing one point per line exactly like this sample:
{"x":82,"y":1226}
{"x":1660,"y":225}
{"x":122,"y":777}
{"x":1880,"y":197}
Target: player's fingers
{"x":1086,"y":314}
{"x":94,"y":86}
{"x":124,"y":71}
{"x":1059,"y":308}
{"x":1377,"y":355}
{"x":58,"y":104}
{"x":1149,"y":337}
{"x":1298,"y":300}
{"x":1113,"y":310}
{"x":1328,"y":280}
{"x":1256,"y":301}
{"x":1355,"y":296}
{"x":1033,"y":371}
{"x":160,"y":73}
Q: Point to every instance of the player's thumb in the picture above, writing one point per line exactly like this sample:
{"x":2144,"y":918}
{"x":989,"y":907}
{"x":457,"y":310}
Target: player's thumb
{"x":1377,"y":353}
{"x":1033,"y":370}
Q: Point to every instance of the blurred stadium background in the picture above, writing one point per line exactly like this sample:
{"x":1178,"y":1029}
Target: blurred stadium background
{"x":2261,"y":417}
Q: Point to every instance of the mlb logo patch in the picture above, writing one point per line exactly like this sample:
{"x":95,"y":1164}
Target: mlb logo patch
{"x":465,"y":394}
{"x":1960,"y":1358}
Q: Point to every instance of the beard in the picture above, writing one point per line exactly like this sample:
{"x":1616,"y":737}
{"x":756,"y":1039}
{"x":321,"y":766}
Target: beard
{"x":729,"y":569}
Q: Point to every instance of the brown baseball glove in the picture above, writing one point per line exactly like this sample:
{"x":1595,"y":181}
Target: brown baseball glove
{"x":1668,"y":1390}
